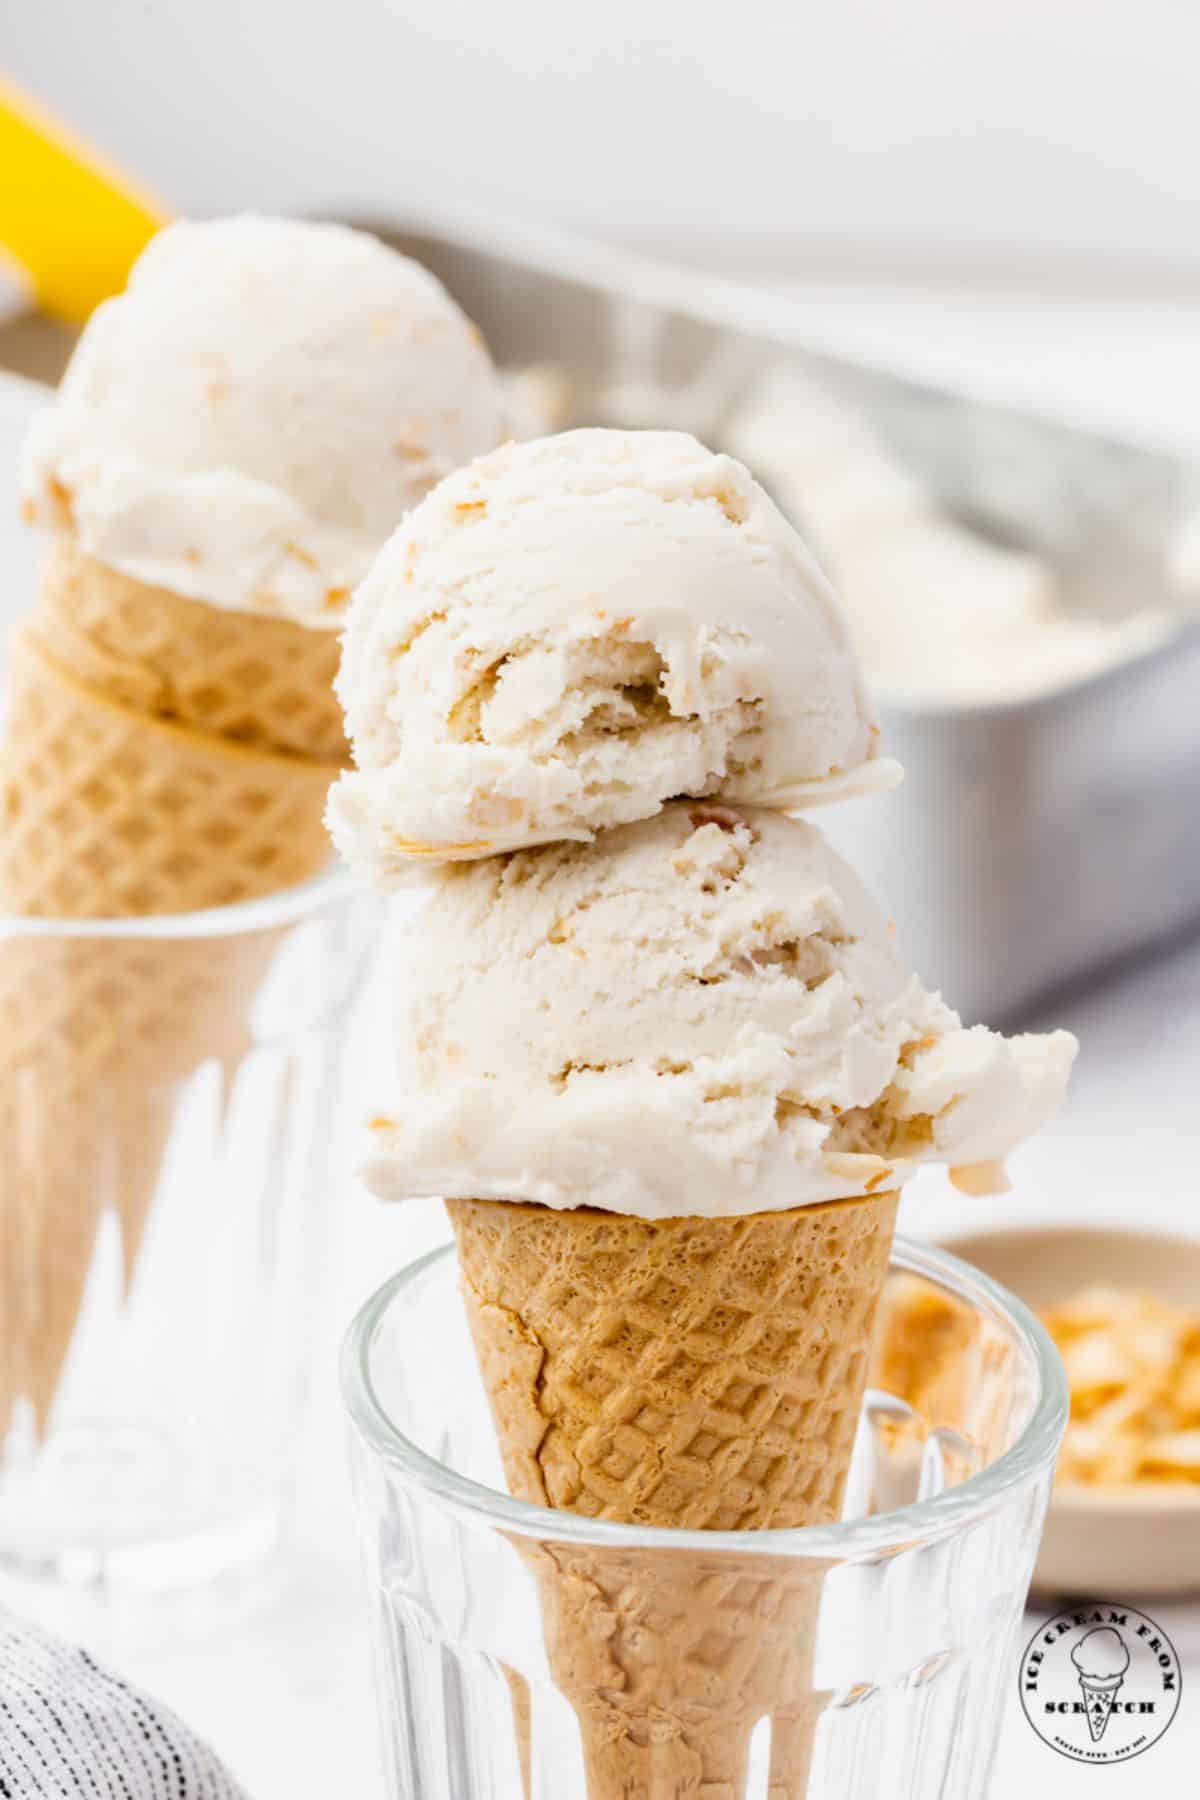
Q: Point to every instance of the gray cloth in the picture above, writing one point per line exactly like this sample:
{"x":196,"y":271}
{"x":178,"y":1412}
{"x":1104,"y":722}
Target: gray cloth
{"x":70,"y":1730}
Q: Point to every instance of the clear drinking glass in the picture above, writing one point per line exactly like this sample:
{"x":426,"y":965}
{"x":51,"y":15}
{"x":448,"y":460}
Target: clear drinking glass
{"x":167,"y":1092}
{"x":526,"y":1654}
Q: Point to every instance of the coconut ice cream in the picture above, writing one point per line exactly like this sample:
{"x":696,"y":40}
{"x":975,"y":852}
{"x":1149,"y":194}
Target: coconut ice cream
{"x":252,"y":417}
{"x":700,"y":1014}
{"x":573,"y":631}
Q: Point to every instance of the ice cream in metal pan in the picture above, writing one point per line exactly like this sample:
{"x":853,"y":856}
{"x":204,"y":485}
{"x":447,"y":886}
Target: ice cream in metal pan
{"x":941,"y":614}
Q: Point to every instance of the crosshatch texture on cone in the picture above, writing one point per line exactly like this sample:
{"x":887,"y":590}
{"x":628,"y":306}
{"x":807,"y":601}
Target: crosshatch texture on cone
{"x":262,"y":681}
{"x":694,"y":1372}
{"x":97,"y":1035}
{"x":672,"y":1658}
{"x":107,"y":813}
{"x":110,"y":814}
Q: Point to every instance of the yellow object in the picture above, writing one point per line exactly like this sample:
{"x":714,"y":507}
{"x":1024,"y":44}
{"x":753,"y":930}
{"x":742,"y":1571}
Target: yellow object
{"x":73,"y":221}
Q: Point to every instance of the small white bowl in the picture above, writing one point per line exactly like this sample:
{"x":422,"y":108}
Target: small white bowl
{"x":1104,"y":1541}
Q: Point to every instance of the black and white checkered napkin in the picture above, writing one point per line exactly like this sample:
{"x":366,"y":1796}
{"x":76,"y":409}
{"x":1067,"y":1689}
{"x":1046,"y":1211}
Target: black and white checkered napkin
{"x":70,"y":1730}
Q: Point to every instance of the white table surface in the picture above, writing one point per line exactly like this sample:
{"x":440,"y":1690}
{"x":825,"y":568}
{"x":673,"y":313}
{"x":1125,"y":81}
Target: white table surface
{"x":277,"y":1675}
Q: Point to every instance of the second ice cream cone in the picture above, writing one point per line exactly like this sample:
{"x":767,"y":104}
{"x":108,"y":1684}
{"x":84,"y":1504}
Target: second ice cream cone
{"x":109,"y":813}
{"x":98,"y":1035}
{"x":235,"y":436}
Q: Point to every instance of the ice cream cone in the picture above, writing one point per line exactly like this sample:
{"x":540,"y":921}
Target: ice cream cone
{"x":696,"y":1372}
{"x":671,"y":1659}
{"x":98,"y":1035}
{"x":241,"y":676}
{"x":111,"y":813}
{"x":521,"y":1701}
{"x":1099,"y":1698}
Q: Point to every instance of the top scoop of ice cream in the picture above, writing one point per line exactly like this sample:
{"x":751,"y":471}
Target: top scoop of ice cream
{"x":249,"y":420}
{"x":702,"y":1013}
{"x":1101,"y":1654}
{"x":572,"y":631}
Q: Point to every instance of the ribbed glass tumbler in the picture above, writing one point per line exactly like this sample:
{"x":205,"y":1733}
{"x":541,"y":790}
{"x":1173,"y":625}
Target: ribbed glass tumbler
{"x":526,"y":1654}
{"x":166,"y":1095}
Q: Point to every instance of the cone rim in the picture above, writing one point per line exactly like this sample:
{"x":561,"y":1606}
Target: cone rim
{"x":1032,"y":1455}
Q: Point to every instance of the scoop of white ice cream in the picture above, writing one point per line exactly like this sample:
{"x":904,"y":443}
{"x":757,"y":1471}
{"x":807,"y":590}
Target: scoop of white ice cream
{"x":939,"y":614}
{"x":701,"y":1013}
{"x":572,"y":631}
{"x":249,"y":420}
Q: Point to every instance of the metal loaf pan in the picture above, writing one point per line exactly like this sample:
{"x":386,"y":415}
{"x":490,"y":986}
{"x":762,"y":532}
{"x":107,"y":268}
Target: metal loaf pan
{"x":1031,"y":842}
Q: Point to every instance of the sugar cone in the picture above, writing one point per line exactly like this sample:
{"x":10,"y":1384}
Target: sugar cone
{"x":98,"y":1034}
{"x":703,"y":1373}
{"x":111,"y":813}
{"x":239,"y":676}
{"x":522,"y":1710}
{"x":671,"y":1659}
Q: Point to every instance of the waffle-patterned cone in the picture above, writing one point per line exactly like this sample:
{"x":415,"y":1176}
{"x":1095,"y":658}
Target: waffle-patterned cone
{"x":703,"y":1373}
{"x":671,"y":1659}
{"x":98,"y":1035}
{"x":240,"y":676}
{"x":108,"y":814}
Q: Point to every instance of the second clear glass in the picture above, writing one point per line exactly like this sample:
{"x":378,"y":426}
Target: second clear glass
{"x":167,"y":1097}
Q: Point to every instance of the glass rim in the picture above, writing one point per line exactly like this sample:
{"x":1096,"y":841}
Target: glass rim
{"x":922,"y":1521}
{"x":284,"y":907}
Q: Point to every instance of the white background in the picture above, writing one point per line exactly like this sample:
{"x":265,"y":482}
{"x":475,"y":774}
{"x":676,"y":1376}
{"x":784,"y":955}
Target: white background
{"x":1040,"y":142}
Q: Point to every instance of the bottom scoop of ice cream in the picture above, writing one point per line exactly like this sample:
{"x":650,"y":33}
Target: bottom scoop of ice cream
{"x":1101,"y":1655}
{"x":702,"y":1013}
